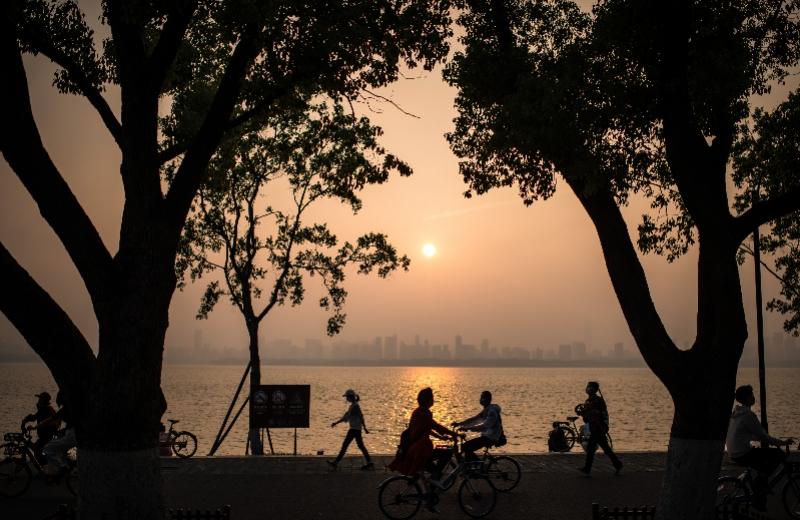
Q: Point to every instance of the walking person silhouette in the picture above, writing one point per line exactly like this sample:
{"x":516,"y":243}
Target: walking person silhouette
{"x":595,"y":412}
{"x":355,"y":419}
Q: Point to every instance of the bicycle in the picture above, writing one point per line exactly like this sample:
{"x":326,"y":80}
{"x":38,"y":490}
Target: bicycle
{"x":16,"y":474}
{"x":503,"y":471}
{"x":739,"y":489}
{"x":400,"y":497}
{"x":573,"y":434}
{"x":183,"y":443}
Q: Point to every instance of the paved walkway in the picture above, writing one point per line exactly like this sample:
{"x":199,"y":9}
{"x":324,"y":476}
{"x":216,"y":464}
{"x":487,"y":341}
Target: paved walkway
{"x":300,"y":488}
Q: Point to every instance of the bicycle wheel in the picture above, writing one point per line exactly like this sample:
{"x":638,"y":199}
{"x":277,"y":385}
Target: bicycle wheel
{"x":15,"y":477}
{"x":399,"y":498}
{"x":504,"y":473}
{"x":791,"y":496}
{"x":184,"y":444}
{"x":731,"y":490}
{"x":71,"y":476}
{"x":569,"y":437}
{"x":477,"y":496}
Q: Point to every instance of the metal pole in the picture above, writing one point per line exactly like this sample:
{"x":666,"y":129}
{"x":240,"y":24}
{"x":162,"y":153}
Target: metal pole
{"x":762,"y":383}
{"x":295,"y":441}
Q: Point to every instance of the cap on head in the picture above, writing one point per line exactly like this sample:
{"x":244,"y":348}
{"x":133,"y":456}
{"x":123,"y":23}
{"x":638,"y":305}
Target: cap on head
{"x":593,"y":384}
{"x":349,"y":393}
{"x":44,"y":396}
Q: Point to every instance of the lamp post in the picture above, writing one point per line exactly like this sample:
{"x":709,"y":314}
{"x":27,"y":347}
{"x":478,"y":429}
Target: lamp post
{"x":762,"y":384}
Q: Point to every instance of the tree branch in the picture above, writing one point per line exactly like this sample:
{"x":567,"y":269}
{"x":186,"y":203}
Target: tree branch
{"x":629,"y":280}
{"x":21,"y":145}
{"x":766,"y":211}
{"x":169,"y":42}
{"x":88,"y":90}
{"x":59,"y":343}
{"x":193,"y":167}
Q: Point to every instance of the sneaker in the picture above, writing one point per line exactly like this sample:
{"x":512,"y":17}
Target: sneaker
{"x":586,"y":471}
{"x":368,"y":466}
{"x":332,"y":463}
{"x":436,"y":483}
{"x":617,"y":469}
{"x":432,"y":508}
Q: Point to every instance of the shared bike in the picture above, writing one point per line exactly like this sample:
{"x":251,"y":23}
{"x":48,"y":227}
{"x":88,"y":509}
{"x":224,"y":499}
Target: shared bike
{"x":20,"y":462}
{"x":400,"y":497}
{"x":183,"y":443}
{"x":732,"y":490}
{"x":572,"y":433}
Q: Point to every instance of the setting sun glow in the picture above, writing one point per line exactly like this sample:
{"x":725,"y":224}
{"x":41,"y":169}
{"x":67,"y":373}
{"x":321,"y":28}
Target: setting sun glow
{"x":429,"y":250}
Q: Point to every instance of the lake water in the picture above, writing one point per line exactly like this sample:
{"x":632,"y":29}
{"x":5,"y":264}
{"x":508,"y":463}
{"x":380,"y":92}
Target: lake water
{"x":531,"y":398}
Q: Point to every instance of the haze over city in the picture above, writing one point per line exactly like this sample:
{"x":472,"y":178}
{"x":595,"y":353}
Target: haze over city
{"x":530,"y":277}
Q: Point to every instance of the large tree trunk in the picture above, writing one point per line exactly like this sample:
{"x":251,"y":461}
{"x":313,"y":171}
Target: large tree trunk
{"x":254,"y":435}
{"x":117,"y":439}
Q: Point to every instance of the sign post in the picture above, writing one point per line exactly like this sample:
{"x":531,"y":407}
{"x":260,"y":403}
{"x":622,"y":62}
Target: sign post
{"x":281,"y":406}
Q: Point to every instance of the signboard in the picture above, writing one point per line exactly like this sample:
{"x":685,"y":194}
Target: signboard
{"x":280,"y":406}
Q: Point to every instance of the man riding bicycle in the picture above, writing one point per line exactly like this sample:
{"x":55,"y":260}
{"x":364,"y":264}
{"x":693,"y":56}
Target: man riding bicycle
{"x":45,"y":429}
{"x":56,"y":450}
{"x":488,"y":422}
{"x":744,"y":427}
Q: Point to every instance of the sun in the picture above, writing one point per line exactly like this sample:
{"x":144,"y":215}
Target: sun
{"x":429,"y":250}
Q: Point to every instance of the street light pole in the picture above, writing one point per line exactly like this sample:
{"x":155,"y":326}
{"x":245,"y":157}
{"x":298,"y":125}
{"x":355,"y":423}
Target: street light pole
{"x":762,"y":383}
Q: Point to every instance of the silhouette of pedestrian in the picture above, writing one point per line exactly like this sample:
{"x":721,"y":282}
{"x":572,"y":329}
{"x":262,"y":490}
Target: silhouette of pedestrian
{"x":355,"y":419}
{"x":595,"y":412}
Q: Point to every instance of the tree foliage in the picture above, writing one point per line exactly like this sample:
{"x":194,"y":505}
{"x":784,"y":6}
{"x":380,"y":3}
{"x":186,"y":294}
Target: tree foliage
{"x":264,"y":253}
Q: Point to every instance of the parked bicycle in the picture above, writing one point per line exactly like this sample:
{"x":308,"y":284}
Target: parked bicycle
{"x":20,"y":462}
{"x":739,"y":489}
{"x":573,"y":433}
{"x":400,"y":497}
{"x":183,"y":443}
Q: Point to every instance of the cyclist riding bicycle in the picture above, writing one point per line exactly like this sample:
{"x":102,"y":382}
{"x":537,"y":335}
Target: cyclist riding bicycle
{"x":415,"y":452}
{"x":56,"y":450}
{"x":744,"y":427}
{"x":488,"y":422}
{"x":45,"y":430}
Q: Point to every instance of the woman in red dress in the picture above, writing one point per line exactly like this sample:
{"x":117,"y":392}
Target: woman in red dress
{"x":419,"y":452}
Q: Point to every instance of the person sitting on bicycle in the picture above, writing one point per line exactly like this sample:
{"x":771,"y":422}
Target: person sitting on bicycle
{"x":744,"y":427}
{"x":45,"y":430}
{"x":416,"y":452}
{"x":487,"y":422}
{"x":56,"y":450}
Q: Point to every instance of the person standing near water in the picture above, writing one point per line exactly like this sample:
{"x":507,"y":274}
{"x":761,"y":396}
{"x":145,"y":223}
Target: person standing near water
{"x":595,"y":412}
{"x":355,"y":419}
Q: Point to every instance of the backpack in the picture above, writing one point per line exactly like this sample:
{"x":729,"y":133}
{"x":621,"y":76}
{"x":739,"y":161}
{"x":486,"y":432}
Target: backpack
{"x":405,"y":443}
{"x":556,"y":440}
{"x":502,"y":441}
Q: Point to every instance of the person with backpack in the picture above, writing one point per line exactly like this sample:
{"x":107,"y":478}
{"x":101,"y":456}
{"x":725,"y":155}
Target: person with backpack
{"x":355,"y":418}
{"x":595,"y":412}
{"x":488,"y":422}
{"x":415,"y":452}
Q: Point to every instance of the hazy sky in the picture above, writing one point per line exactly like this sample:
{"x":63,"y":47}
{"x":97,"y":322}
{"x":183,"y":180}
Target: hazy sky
{"x":518,"y":276}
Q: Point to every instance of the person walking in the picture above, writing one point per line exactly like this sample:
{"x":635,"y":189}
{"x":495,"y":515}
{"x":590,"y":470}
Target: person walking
{"x":355,"y":419}
{"x":45,"y":430}
{"x":595,"y":412}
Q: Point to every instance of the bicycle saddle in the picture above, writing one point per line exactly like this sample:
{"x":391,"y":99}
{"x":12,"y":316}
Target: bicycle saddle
{"x":572,"y":417}
{"x":174,"y":421}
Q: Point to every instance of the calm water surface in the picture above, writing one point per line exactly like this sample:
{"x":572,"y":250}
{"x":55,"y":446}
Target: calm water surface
{"x":531,"y":398}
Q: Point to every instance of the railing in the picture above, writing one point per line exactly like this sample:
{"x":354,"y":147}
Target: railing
{"x":728,"y":512}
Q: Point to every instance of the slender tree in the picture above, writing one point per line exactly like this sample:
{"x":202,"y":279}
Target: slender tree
{"x":189,"y":74}
{"x":263,"y":254}
{"x":636,"y":98}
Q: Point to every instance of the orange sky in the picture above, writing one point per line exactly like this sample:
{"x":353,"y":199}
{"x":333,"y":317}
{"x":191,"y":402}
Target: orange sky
{"x":518,"y":276}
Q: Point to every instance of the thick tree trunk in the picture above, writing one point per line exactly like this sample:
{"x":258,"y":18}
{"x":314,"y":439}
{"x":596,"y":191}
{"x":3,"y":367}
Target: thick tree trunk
{"x":690,"y":477}
{"x":256,"y":446}
{"x":124,"y":485}
{"x":118,"y":429}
